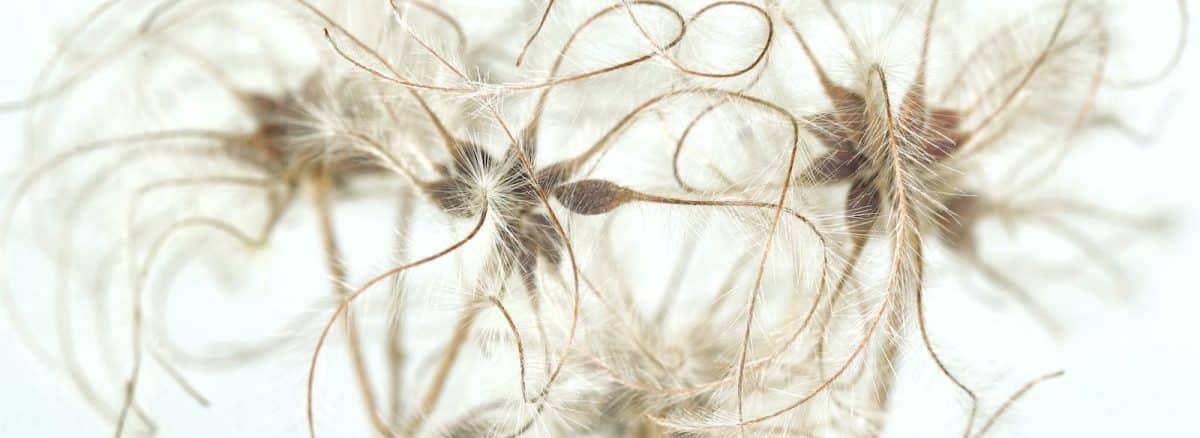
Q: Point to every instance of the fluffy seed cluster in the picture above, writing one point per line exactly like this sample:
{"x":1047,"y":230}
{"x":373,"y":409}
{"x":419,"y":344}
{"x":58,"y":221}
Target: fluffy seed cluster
{"x":554,"y":218}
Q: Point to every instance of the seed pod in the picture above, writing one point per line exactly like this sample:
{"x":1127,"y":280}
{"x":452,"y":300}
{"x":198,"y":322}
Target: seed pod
{"x":593,"y":196}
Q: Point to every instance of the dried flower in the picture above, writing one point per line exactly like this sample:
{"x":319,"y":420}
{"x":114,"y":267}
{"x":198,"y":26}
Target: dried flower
{"x":640,"y":218}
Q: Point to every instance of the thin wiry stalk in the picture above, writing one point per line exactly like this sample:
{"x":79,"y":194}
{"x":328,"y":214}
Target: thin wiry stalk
{"x":350,"y":297}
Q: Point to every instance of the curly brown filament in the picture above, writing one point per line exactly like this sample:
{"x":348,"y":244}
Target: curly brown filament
{"x":1093,"y":250}
{"x":141,"y":273}
{"x":208,"y":66}
{"x":903,"y":240}
{"x":451,"y":144}
{"x":459,"y":33}
{"x":139,"y":276}
{"x":536,"y":31}
{"x":213,"y":223}
{"x":39,"y":95}
{"x":627,"y":319}
{"x":393,"y":76}
{"x":905,"y":229}
{"x":867,"y":335}
{"x":239,"y":353}
{"x":448,"y":139}
{"x":1019,"y":293}
{"x":831,"y":88}
{"x":1029,"y":73}
{"x":1081,"y":119}
{"x":760,"y":362}
{"x":1176,"y":54}
{"x":1052,"y":205}
{"x":22,"y":186}
{"x":912,"y":106}
{"x":320,"y":186}
{"x":658,"y":199}
{"x":42,"y":93}
{"x":63,"y":306}
{"x":1009,"y":74}
{"x":914,"y":100}
{"x":535,"y":119}
{"x":554,"y":81}
{"x":531,"y":173}
{"x":157,"y":13}
{"x":59,"y":52}
{"x":1013,"y":399}
{"x":678,"y":152}
{"x":389,"y":159}
{"x":175,"y":374}
{"x":540,"y":106}
{"x":856,"y":250}
{"x":617,"y":128}
{"x":532,"y":295}
{"x":396,"y":357}
{"x":349,"y":298}
{"x":662,"y":51}
{"x":425,"y":45}
{"x":646,"y":197}
{"x":687,"y":132}
{"x":512,"y":327}
{"x":74,"y":211}
{"x":778,"y":210}
{"x":100,"y":283}
{"x":216,"y":224}
{"x":433,"y":394}
{"x":978,"y":50}
{"x":762,"y":265}
{"x":527,"y":165}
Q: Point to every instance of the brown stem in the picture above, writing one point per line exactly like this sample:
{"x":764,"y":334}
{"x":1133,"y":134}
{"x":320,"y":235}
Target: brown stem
{"x":1013,"y":399}
{"x":512,"y":326}
{"x":321,"y":184}
{"x":349,"y":298}
{"x":433,"y":394}
{"x":395,"y":333}
{"x":536,"y":31}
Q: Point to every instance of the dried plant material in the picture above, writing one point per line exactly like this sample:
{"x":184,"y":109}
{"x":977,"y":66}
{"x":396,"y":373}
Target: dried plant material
{"x":634,"y":218}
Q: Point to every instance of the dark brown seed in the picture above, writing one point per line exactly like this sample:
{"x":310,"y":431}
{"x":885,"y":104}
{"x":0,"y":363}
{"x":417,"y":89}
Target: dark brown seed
{"x":862,"y":209}
{"x":452,"y":196}
{"x":962,"y":211}
{"x":592,"y":196}
{"x":835,"y":166}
